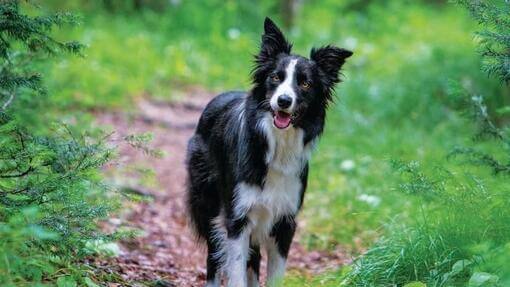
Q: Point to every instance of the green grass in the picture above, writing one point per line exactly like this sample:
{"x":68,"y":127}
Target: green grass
{"x":462,"y":216}
{"x":394,"y":104}
{"x":399,"y":105}
{"x":131,"y":55}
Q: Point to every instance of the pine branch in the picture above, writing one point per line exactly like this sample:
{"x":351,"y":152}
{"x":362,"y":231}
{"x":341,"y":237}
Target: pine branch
{"x":478,"y":157}
{"x":485,"y":125}
{"x":494,"y":20}
{"x":25,"y":173}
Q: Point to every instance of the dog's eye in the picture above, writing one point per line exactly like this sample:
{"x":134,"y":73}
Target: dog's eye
{"x":275,"y":78}
{"x":305,"y":85}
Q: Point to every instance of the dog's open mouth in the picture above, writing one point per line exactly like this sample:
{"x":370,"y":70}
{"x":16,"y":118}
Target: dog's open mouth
{"x":282,"y":119}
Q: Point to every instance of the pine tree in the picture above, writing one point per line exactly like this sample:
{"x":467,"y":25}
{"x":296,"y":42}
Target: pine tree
{"x":51,"y":193}
{"x":494,"y":17}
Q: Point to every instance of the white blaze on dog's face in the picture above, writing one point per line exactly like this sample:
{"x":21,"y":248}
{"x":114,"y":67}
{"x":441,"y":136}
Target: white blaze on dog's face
{"x":283,"y":99}
{"x":289,"y":89}
{"x":294,"y":85}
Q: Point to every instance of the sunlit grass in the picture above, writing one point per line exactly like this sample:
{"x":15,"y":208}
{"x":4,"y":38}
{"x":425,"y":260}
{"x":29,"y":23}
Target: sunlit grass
{"x":394,"y":104}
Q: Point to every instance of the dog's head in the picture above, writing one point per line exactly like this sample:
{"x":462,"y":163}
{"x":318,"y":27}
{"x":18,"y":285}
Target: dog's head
{"x":289,"y":85}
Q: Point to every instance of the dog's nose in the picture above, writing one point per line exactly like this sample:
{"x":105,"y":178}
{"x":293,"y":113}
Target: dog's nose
{"x":284,"y":101}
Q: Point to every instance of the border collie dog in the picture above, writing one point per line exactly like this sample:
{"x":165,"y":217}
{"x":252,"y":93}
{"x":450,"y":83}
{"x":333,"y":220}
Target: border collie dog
{"x":248,"y":159}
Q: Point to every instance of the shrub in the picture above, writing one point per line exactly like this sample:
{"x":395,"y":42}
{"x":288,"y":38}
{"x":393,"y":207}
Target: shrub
{"x":51,"y":192}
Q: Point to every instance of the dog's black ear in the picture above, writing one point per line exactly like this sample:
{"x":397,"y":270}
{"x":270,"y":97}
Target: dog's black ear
{"x":273,"y":41}
{"x":330,"y":60}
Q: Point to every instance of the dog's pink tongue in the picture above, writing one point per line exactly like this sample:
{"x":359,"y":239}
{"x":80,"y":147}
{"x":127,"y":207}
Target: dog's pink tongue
{"x":281,"y":120}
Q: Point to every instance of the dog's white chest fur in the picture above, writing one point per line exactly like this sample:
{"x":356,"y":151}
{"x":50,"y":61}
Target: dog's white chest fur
{"x":286,"y":157}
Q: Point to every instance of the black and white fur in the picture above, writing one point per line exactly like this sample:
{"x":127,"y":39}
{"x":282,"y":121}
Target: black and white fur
{"x":248,"y":159}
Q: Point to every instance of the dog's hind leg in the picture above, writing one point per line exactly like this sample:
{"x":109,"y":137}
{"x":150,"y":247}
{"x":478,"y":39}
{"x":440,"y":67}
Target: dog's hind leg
{"x":214,"y":258}
{"x":254,"y":266}
{"x":204,"y":206}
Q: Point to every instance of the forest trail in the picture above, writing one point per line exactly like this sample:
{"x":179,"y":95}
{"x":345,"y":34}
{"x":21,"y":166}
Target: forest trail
{"x":165,"y":253}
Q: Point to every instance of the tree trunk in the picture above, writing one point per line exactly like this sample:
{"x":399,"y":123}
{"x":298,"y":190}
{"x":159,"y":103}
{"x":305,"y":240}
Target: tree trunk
{"x":288,"y":10}
{"x":137,"y":4}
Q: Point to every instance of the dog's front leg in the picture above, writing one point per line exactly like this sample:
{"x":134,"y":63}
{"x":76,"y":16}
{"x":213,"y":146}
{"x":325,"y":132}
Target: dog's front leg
{"x":275,"y":264}
{"x":237,"y":252}
{"x":277,"y":250}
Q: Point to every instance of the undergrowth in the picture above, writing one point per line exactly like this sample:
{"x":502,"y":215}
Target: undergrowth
{"x":52,"y":194}
{"x":460,"y":233}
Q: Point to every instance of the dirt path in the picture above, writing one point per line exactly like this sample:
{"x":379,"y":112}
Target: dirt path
{"x":166,"y":253}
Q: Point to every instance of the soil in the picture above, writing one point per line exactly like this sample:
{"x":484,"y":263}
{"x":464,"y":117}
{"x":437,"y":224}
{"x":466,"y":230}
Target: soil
{"x":165,"y":253}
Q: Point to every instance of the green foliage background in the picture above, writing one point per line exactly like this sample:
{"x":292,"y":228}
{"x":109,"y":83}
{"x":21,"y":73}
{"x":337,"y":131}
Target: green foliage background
{"x":383,"y":178}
